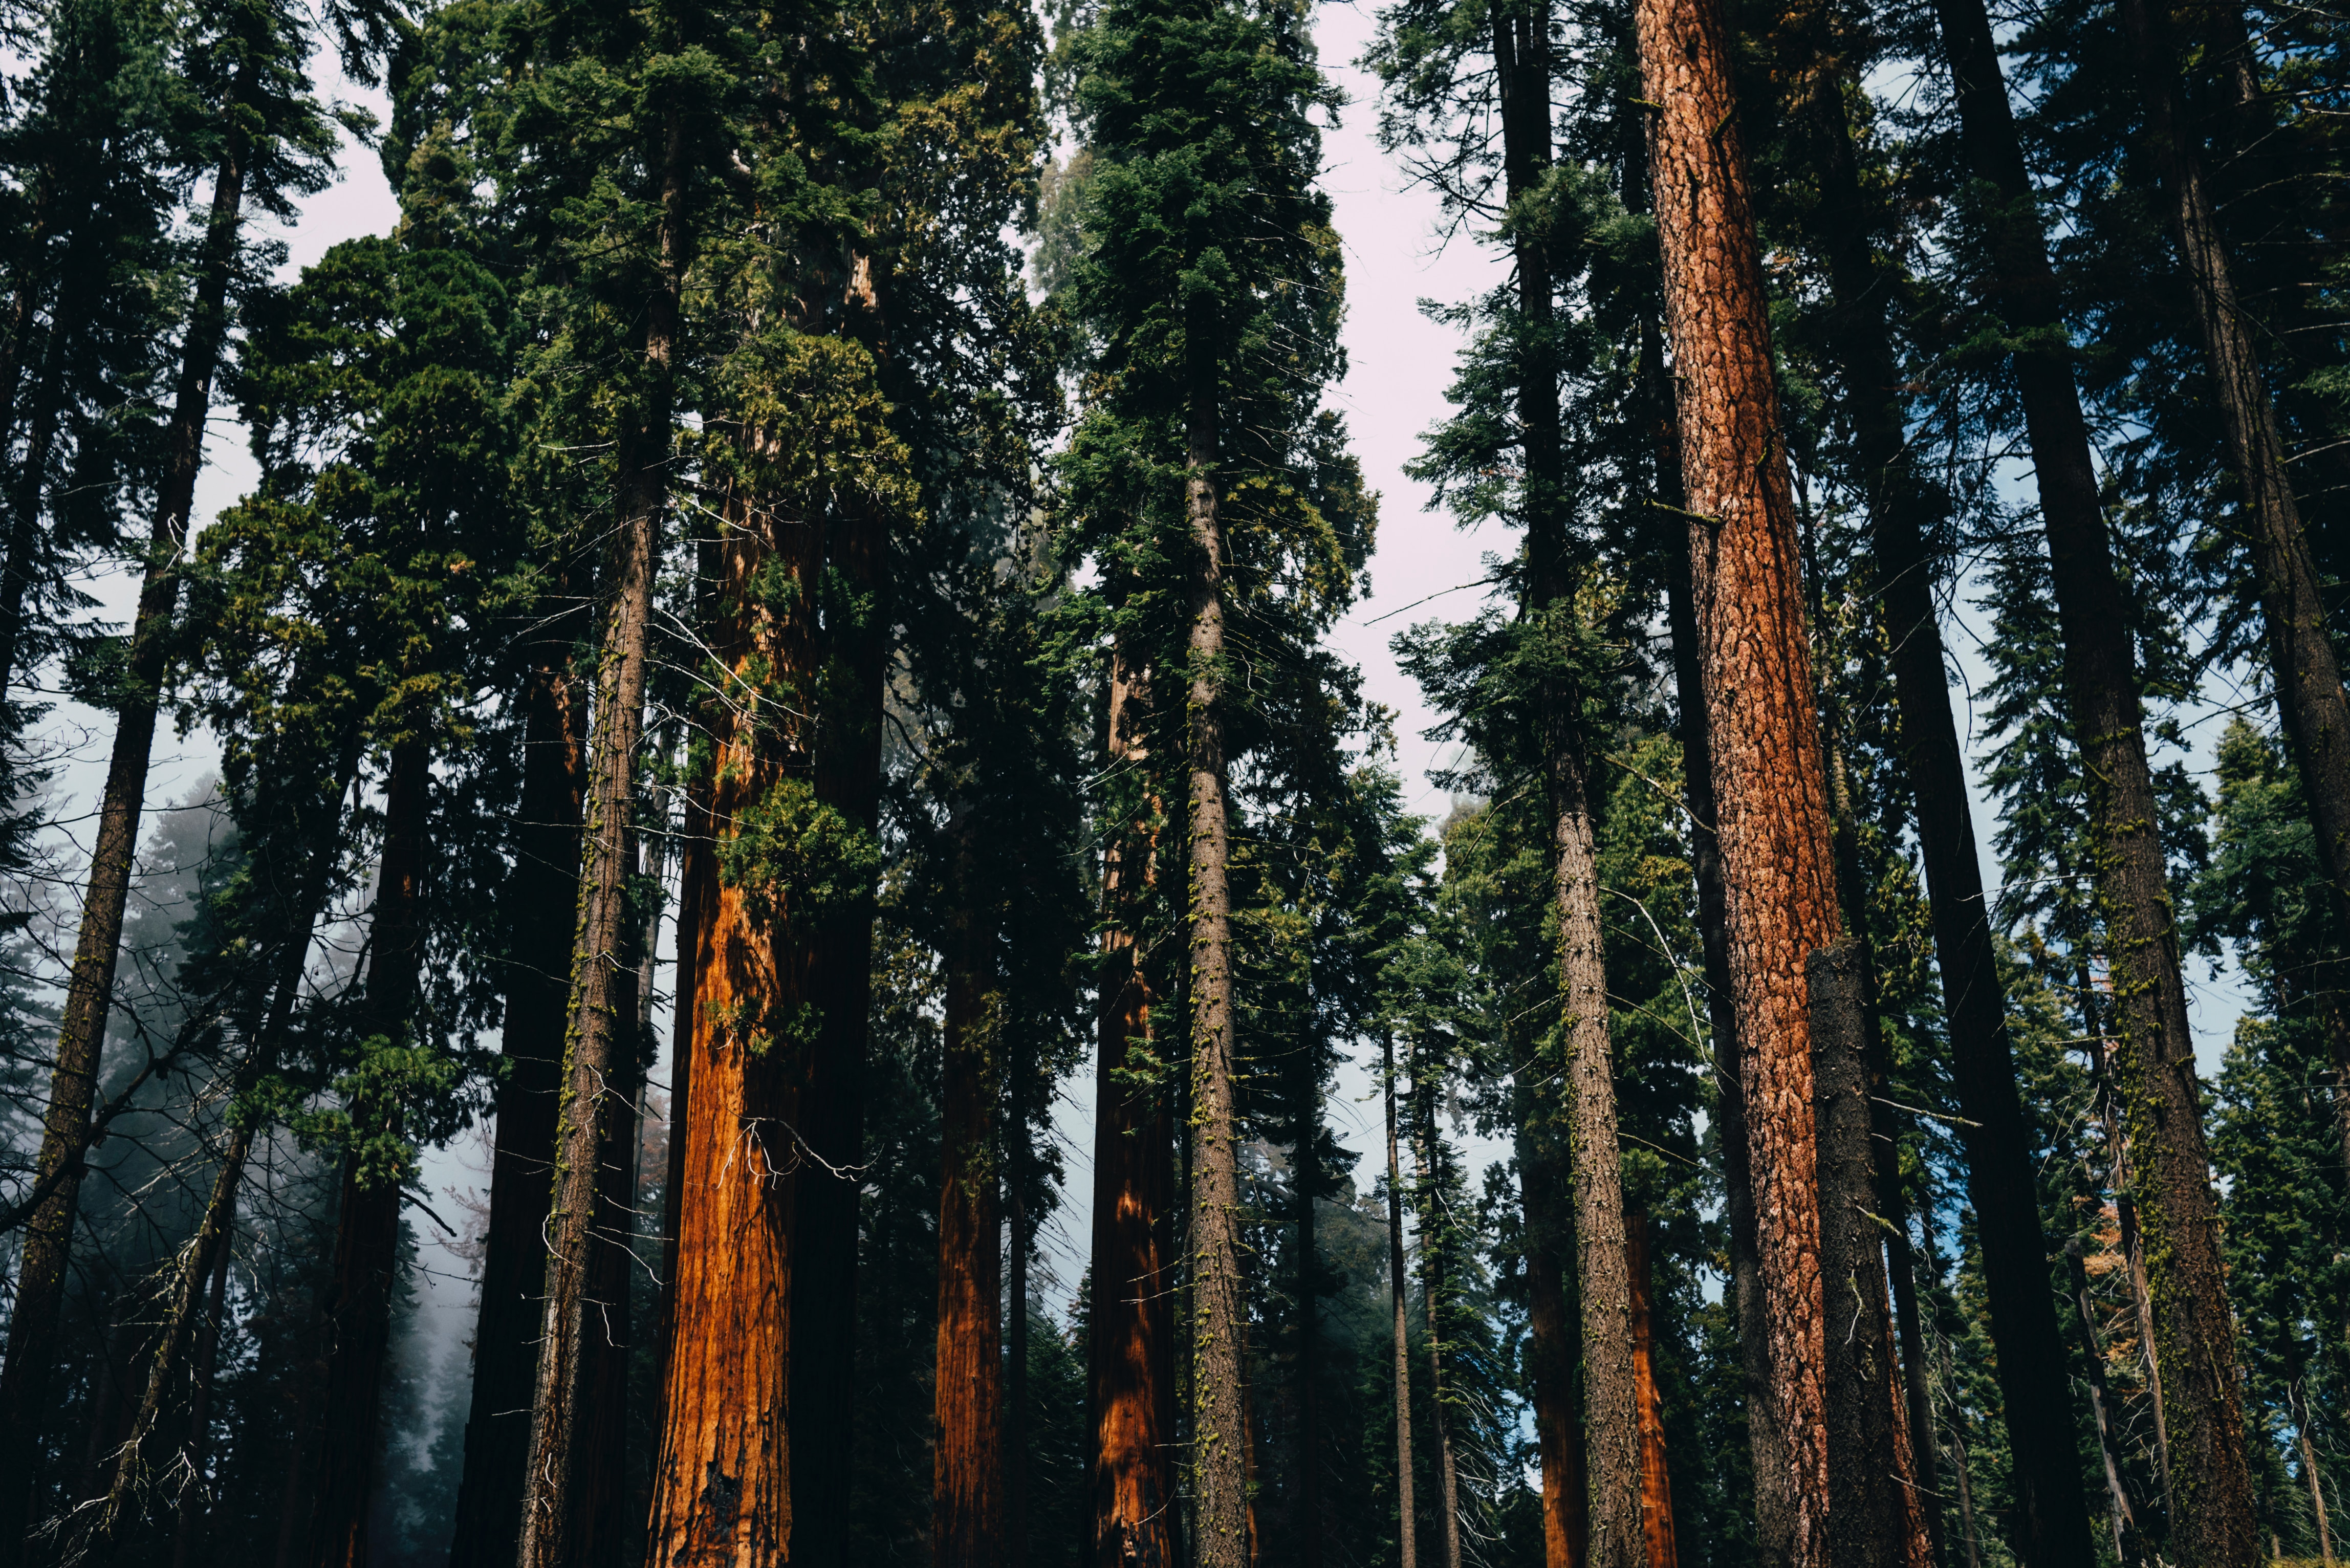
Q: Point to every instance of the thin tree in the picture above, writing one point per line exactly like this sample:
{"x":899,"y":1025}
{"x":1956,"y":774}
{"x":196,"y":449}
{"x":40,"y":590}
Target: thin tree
{"x":1407,"y":1517}
{"x":2154,"y":1050}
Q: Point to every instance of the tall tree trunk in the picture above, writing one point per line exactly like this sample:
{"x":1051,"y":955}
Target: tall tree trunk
{"x":25,"y":1378}
{"x":2123,"y":1517}
{"x":967,"y":1462}
{"x":25,"y":516}
{"x":1766,"y":1443}
{"x":2034,"y":1393}
{"x":1130,"y":1384}
{"x":1772,"y":821}
{"x":2195,"y":1332}
{"x":1432,"y":1290}
{"x":514,"y":1260}
{"x":1874,"y":1502}
{"x":1407,"y":1516}
{"x":1656,"y":1481}
{"x":1219,"y":1308}
{"x":1551,"y":1338}
{"x":2311,"y":1476}
{"x":187,"y":1529}
{"x":2133,"y":1247}
{"x":595,"y":1109}
{"x":1016,"y":1167}
{"x":366,"y":1233}
{"x":1305,"y":1165}
{"x":2307,"y":670}
{"x":1611,"y":1404}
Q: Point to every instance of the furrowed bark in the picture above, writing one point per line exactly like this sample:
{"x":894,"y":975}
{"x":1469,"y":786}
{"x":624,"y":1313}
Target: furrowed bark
{"x":1611,"y":1402}
{"x":596,"y":1109}
{"x":1773,"y":824}
{"x":367,"y":1232}
{"x":513,"y":1260}
{"x":1873,"y":1498}
{"x":25,"y":1378}
{"x":1131,"y":1324}
{"x":1995,"y":1132}
{"x":2194,"y":1334}
{"x":967,"y":1462}
{"x":2120,"y":1513}
{"x":1406,"y":1518}
{"x":1656,"y":1481}
{"x":1219,"y":1311}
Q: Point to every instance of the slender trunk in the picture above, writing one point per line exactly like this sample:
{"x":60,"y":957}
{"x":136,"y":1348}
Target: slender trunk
{"x":1958,"y":1460}
{"x":1130,"y":1320}
{"x":601,"y":1499}
{"x":2195,"y":1332}
{"x":2311,"y":1476}
{"x":187,"y":1529}
{"x":90,"y":993}
{"x":1016,"y":1382}
{"x":1432,"y":1287}
{"x":293,"y":1499}
{"x":513,"y":1261}
{"x":366,"y":1235}
{"x":25,"y":517}
{"x":2122,"y":1516}
{"x":1407,"y":1517}
{"x":2035,"y":1395}
{"x":1874,"y":1502}
{"x":595,"y":1107}
{"x":1551,"y":1339}
{"x":1772,"y":821}
{"x":2133,"y":1255}
{"x":1305,"y":1162}
{"x":966,"y":1497}
{"x":1611,"y":1404}
{"x":1219,"y":1308}
{"x":1766,"y":1443}
{"x":1656,"y":1482}
{"x":2308,"y":673}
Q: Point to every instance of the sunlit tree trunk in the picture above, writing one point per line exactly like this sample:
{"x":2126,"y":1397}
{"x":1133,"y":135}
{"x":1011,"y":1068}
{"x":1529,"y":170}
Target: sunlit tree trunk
{"x":1656,"y":1480}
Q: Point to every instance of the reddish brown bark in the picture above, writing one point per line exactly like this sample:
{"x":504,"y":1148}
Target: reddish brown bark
{"x":1656,"y":1481}
{"x":1772,"y":822}
{"x":90,"y":991}
{"x":967,"y":1463}
{"x":514,"y":1260}
{"x":1131,"y":1338}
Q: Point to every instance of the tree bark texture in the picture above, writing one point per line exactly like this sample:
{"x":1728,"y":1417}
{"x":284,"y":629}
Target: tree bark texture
{"x":25,"y":1378}
{"x":1772,"y":821}
{"x":2305,"y":667}
{"x":1219,"y":1304}
{"x":1656,"y":1480}
{"x":1766,"y":1443}
{"x":595,"y":1113}
{"x":967,"y":1462}
{"x":1995,"y":1131}
{"x":1874,"y":1502}
{"x":2195,"y":1333}
{"x":367,"y":1231}
{"x":1130,"y":1344}
{"x":513,"y":1261}
{"x":1407,"y":1517}
{"x":1611,"y":1402}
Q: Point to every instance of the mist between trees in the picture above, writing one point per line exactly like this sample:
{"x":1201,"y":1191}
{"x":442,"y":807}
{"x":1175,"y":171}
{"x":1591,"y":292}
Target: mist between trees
{"x":820,"y":532}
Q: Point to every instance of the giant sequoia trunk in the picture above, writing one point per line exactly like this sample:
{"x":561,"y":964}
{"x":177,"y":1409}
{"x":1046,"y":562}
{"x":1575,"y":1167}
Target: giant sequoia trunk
{"x":1130,"y":1342}
{"x":595,"y":1110}
{"x":1772,"y":817}
{"x":967,"y":1463}
{"x":2034,"y":1393}
{"x":2194,"y":1330}
{"x":367,"y":1231}
{"x":42,"y":1268}
{"x":1219,"y":1306}
{"x":513,"y":1261}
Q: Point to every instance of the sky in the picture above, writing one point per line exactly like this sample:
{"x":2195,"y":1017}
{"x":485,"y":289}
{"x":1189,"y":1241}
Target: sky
{"x":1399,"y":366}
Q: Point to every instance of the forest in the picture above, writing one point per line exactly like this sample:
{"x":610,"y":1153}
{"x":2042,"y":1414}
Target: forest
{"x":798,"y":938}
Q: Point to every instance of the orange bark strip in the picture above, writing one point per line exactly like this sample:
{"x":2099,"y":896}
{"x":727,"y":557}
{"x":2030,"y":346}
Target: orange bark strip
{"x":1656,"y":1485}
{"x":967,"y":1466}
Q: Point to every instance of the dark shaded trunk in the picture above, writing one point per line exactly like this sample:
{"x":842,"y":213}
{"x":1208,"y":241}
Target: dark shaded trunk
{"x":514,"y":1260}
{"x":1305,"y":1162}
{"x":1434,"y":1287}
{"x":1656,"y":1480}
{"x":2122,"y":1515}
{"x":25,"y":517}
{"x":1873,"y":1500}
{"x":1016,"y":1167}
{"x":967,"y":1460}
{"x":2195,"y":1332}
{"x":367,"y":1236}
{"x":1407,"y":1515}
{"x":187,"y":1529}
{"x":1995,"y":1130}
{"x":43,"y":1260}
